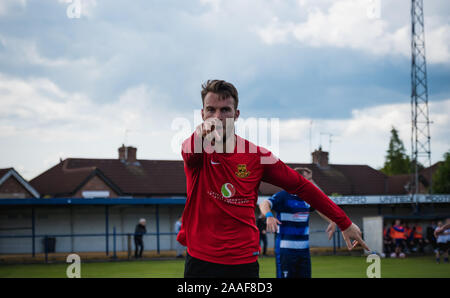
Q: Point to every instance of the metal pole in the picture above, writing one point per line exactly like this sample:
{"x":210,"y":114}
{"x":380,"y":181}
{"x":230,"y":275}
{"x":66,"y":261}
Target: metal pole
{"x":46,"y":248}
{"x":71,"y":230}
{"x":107,"y":228}
{"x":338,"y":237}
{"x":157,"y":228}
{"x":114,"y":243}
{"x":334,"y":242}
{"x":33,"y":232}
{"x":129,"y":245}
{"x":420,"y":133}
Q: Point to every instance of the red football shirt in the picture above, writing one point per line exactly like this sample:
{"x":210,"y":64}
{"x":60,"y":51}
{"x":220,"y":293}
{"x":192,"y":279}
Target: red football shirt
{"x":218,"y":223}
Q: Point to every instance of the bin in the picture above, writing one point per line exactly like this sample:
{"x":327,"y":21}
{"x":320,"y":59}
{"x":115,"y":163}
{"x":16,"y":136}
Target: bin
{"x":49,"y":244}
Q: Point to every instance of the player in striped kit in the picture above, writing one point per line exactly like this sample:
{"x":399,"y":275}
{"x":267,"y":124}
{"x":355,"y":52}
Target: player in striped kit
{"x":292,"y":226}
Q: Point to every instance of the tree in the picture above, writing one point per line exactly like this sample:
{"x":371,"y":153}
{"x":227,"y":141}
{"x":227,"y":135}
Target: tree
{"x":397,"y":162}
{"x":441,"y":178}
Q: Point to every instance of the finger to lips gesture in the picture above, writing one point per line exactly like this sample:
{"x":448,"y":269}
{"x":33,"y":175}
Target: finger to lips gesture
{"x":210,"y":130}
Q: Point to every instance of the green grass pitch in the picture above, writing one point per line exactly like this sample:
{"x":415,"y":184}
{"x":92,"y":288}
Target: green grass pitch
{"x":322,"y":266}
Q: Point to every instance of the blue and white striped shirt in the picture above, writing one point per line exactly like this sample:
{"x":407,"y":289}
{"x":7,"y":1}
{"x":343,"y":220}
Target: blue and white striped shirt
{"x":293,"y":213}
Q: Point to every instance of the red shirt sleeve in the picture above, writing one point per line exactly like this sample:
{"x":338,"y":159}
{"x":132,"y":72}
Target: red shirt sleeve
{"x":192,"y":151}
{"x":279,"y":174}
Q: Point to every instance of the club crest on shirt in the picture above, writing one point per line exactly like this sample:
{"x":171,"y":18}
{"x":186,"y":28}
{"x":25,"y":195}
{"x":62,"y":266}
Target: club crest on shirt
{"x":242,"y":171}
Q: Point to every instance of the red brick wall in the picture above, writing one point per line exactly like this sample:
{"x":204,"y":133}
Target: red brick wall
{"x":95,"y":183}
{"x":11,"y":188}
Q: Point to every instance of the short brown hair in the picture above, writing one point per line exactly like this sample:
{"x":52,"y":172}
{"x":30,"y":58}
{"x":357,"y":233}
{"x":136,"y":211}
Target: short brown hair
{"x":301,"y":170}
{"x":221,"y":88}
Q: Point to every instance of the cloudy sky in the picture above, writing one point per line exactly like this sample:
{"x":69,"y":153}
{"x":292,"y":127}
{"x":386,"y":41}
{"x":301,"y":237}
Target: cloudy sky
{"x":80,"y":77}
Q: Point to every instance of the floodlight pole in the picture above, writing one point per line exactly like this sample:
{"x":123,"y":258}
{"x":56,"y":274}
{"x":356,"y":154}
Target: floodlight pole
{"x":420,"y":133}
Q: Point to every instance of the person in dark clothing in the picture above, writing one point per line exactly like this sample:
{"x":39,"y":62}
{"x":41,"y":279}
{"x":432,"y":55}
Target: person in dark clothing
{"x":261,"y":224}
{"x":387,"y":241}
{"x":138,"y":234}
{"x":430,"y":238}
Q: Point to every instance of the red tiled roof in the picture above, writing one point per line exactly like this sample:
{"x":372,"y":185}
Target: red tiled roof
{"x":166,"y":178}
{"x":363,"y":179}
{"x":397,"y":183}
{"x":341,"y":179}
{"x":150,"y":178}
{"x":428,"y":172}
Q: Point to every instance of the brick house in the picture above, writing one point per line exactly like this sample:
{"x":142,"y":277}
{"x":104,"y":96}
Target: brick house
{"x":128,"y":176}
{"x":125,"y":176}
{"x":13,"y":185}
{"x":401,"y":184}
{"x":126,"y":188}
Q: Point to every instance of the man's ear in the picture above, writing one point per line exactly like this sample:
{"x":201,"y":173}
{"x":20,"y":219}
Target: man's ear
{"x":236,"y":115}
{"x":203,"y":115}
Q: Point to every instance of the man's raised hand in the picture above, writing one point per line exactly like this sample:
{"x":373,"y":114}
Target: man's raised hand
{"x":210,"y":130}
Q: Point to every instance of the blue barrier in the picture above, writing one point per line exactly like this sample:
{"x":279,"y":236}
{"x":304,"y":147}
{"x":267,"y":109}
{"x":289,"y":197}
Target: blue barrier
{"x":106,"y":202}
{"x":47,"y":237}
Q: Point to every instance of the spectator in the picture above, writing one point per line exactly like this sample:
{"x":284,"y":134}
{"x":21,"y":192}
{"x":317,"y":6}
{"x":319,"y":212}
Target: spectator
{"x":418,"y":238}
{"x":178,"y":247}
{"x":261,"y":224}
{"x":442,"y":234}
{"x":398,"y":236}
{"x":138,"y":234}
{"x":431,"y":239}
{"x":387,"y":240}
{"x":409,"y":238}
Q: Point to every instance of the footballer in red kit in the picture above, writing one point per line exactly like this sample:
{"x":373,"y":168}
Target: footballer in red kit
{"x":223,"y":177}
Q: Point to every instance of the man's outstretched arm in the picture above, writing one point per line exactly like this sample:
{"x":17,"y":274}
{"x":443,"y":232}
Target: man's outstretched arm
{"x":279,"y":174}
{"x":192,"y":158}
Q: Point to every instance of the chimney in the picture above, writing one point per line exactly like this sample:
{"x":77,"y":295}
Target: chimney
{"x":127,"y":154}
{"x":320,"y":158}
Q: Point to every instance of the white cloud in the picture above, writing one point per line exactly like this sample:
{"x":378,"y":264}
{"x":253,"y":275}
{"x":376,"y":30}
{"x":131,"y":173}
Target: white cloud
{"x":215,"y":4}
{"x":348,"y":24}
{"x":115,"y":63}
{"x":29,"y":52}
{"x":33,"y":56}
{"x":6,"y":6}
{"x":364,"y":138}
{"x":86,"y":8}
{"x":276,"y":32}
{"x":25,"y":52}
{"x":438,"y":43}
{"x":40,"y":123}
